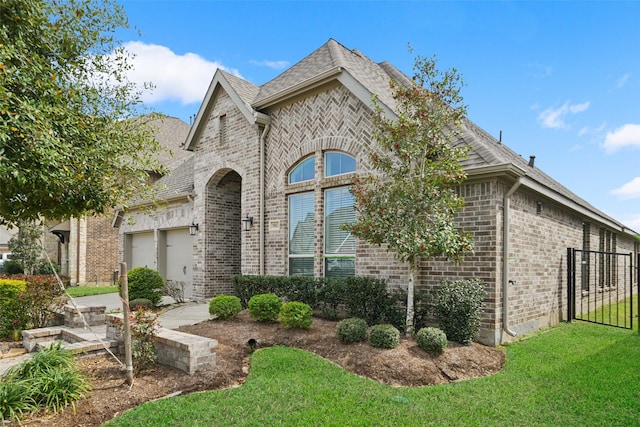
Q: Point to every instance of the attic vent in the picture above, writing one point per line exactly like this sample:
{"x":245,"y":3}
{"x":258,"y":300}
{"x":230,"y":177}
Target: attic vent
{"x":532,"y":160}
{"x":223,"y":129}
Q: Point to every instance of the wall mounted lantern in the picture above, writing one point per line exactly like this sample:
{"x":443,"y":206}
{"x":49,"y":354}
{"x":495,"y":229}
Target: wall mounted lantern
{"x":247,"y":222}
{"x":193,"y":229}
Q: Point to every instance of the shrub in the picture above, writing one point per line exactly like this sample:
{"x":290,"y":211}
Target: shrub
{"x":134,"y":304}
{"x":384,"y":336}
{"x":432,"y":340}
{"x":12,"y":267}
{"x":457,"y":309}
{"x":15,"y":399}
{"x":143,"y":344}
{"x":295,"y":314}
{"x":225,"y":307}
{"x":367,"y":298}
{"x":145,"y":283}
{"x":51,"y":379}
{"x":265,"y":307}
{"x":352,"y":329}
{"x":330,"y":295}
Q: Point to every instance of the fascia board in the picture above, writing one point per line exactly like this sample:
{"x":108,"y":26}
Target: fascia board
{"x":501,"y":170}
{"x":588,"y":213}
{"x":364,"y":94}
{"x":299,"y":88}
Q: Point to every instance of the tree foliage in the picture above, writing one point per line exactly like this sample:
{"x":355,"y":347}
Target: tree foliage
{"x":68,"y":146}
{"x":410,"y":202}
{"x":26,"y":246}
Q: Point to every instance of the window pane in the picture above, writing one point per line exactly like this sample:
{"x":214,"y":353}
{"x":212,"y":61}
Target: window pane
{"x":301,"y":267}
{"x":339,"y":267}
{"x":338,"y":163}
{"x":305,"y":171}
{"x":301,"y":223}
{"x":338,"y":210}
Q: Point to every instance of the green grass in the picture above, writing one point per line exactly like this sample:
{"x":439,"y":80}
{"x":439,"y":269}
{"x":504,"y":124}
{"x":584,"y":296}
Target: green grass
{"x":616,"y":314}
{"x":573,"y":374}
{"x":84,"y":291}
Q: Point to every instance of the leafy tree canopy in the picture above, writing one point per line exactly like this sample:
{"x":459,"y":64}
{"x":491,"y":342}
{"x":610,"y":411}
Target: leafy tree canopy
{"x":409,"y":202}
{"x":68,"y":146}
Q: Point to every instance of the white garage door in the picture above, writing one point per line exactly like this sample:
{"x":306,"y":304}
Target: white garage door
{"x":142,"y":250}
{"x":179,"y":259}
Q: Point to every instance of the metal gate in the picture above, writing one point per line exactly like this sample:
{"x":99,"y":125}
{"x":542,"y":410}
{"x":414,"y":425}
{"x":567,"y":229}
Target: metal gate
{"x":601,"y":287}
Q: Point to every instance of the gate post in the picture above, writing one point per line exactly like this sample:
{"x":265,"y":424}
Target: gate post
{"x":571,"y":302}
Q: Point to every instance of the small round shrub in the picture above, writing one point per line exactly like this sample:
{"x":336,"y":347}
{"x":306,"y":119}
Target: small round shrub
{"x":11,"y":267}
{"x":265,"y":307}
{"x":135,"y":304}
{"x":431,"y":340}
{"x":144,"y":282}
{"x":225,"y":307}
{"x":353,"y":329}
{"x":295,"y":314}
{"x":458,"y":307}
{"x":384,"y":336}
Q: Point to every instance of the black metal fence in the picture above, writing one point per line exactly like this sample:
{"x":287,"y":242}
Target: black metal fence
{"x":601,"y":287}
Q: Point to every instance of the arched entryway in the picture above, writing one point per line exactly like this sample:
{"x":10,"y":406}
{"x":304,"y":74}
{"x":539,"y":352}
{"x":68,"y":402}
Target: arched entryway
{"x":223,"y":232}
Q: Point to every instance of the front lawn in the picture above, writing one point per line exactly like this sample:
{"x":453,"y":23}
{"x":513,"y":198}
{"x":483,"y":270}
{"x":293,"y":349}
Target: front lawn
{"x":573,"y":374}
{"x":85,"y":291}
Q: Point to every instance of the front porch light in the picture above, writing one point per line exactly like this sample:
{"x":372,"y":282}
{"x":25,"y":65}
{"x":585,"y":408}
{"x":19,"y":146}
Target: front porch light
{"x":247,"y":222}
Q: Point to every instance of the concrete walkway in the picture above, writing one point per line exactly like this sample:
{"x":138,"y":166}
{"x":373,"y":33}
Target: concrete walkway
{"x":171,"y":316}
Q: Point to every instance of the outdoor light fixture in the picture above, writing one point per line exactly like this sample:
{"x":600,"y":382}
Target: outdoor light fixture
{"x":538,"y":208}
{"x":193,"y":229}
{"x":247,"y":222}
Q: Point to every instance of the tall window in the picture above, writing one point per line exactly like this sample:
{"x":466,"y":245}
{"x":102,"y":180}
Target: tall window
{"x":339,"y":248}
{"x":301,"y":241}
{"x":339,"y":245}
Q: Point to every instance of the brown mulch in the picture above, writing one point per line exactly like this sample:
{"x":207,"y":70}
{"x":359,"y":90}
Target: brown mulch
{"x":111,"y":396}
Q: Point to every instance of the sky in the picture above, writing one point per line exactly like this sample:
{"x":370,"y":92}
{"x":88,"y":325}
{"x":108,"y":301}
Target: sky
{"x":559,"y":80}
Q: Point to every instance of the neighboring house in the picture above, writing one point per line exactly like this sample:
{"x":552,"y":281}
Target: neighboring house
{"x":87,"y":248}
{"x":268,"y":187}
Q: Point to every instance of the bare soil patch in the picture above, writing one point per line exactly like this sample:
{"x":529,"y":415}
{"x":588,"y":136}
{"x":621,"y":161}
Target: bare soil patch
{"x":406,"y":365}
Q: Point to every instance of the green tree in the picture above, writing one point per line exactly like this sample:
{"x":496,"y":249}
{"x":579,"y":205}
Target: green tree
{"x":26,"y":246}
{"x":409,"y":202}
{"x":67,"y":144}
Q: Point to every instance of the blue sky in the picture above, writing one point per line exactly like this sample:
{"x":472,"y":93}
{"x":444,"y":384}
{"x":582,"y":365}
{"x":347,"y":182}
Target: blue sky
{"x":561,"y":80}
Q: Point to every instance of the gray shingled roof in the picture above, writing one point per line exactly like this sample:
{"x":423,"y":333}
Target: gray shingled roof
{"x":178,"y":182}
{"x":171,"y":133}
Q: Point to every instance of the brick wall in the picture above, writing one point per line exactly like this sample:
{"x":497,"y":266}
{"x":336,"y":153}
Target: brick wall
{"x":102,"y":250}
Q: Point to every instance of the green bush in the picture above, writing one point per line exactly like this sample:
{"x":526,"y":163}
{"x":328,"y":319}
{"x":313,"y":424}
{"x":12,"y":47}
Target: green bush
{"x":367,"y":298}
{"x":384,"y":336}
{"x":15,"y":399}
{"x":134,"y":304}
{"x":432,"y":340}
{"x":330,"y":295}
{"x":12,"y":267}
{"x":352,"y":329}
{"x":265,"y":307}
{"x":144,"y":329}
{"x":50,"y":378}
{"x":295,"y":314}
{"x":225,"y":307}
{"x":145,"y":283}
{"x":457,"y":308}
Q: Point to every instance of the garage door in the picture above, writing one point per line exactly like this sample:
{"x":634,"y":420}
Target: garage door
{"x":142,"y":251}
{"x":179,"y":259}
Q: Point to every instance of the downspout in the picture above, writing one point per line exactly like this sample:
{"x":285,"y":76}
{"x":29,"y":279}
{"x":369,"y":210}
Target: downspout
{"x":505,"y":258}
{"x":263,"y":135}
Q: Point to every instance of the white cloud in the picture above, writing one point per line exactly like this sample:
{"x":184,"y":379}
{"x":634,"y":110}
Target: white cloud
{"x":555,"y":118}
{"x":184,"y":78}
{"x":625,"y":136}
{"x":623,"y":80}
{"x":632,"y":221}
{"x":630,"y":190}
{"x":276,"y":65}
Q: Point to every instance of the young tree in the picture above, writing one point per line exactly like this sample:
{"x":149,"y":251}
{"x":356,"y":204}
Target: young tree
{"x":67,"y":146}
{"x":26,"y":247}
{"x":409,"y":201}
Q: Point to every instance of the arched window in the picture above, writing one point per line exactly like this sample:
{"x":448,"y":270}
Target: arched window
{"x":336,"y":163}
{"x":305,"y":171}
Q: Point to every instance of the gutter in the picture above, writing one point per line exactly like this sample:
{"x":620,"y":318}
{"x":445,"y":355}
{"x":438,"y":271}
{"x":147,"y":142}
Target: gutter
{"x":263,"y":135}
{"x":505,"y":258}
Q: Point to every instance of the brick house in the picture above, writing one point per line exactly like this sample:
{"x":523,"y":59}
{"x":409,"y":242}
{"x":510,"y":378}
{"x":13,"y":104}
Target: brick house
{"x":268,"y":187}
{"x":87,"y":248}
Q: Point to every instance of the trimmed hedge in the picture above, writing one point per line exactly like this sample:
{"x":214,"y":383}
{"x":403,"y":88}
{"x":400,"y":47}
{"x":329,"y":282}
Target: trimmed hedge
{"x":432,"y":340}
{"x":384,"y":336}
{"x":146,"y":283}
{"x":352,"y":329}
{"x":295,"y":314}
{"x":265,"y":307}
{"x":225,"y":307}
